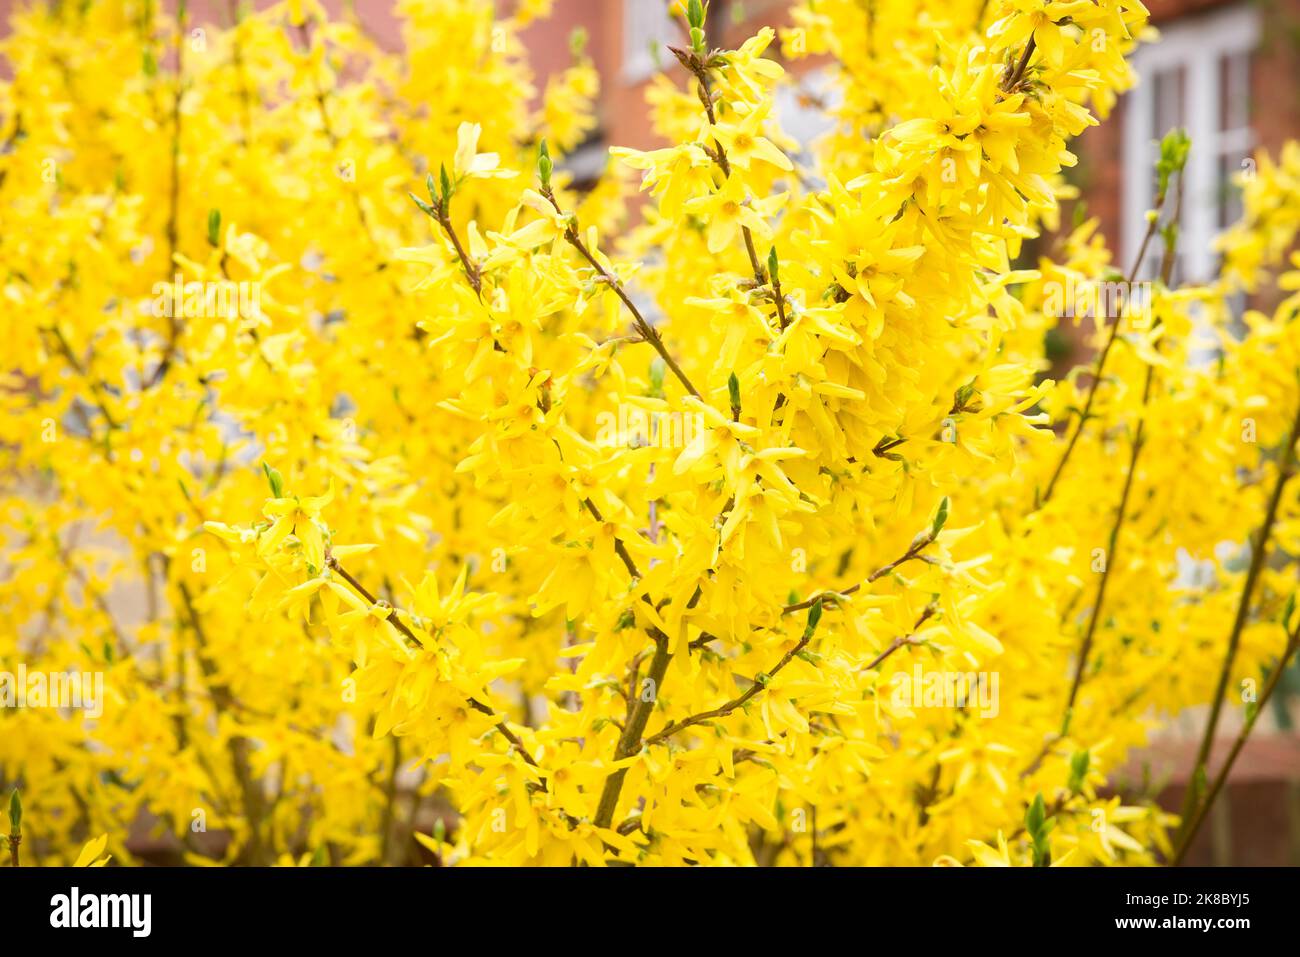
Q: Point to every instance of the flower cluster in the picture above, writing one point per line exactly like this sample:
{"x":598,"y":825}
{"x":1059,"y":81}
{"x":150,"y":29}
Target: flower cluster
{"x":866,"y":588}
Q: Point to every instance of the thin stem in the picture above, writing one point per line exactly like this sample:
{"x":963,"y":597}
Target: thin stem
{"x":752,"y":691}
{"x":237,"y":746}
{"x":174,"y":202}
{"x":1192,"y":827}
{"x":619,"y":548}
{"x":94,"y":384}
{"x":390,"y":801}
{"x":472,"y":271}
{"x":1258,"y":549}
{"x":1139,"y":439}
{"x":780,"y":302}
{"x":395,"y":620}
{"x":719,"y":153}
{"x":1101,"y":361}
{"x":645,"y":329}
{"x":506,"y":733}
{"x":738,"y":702}
{"x":237,"y":59}
{"x":635,"y":725}
{"x":327,"y":127}
{"x":913,"y":552}
{"x":1169,"y":258}
{"x":902,"y":640}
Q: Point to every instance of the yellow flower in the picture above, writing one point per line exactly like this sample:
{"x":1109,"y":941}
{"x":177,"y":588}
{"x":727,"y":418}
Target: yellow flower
{"x":471,"y":164}
{"x":744,"y":141}
{"x":90,"y":854}
{"x":299,"y":517}
{"x":729,"y":209}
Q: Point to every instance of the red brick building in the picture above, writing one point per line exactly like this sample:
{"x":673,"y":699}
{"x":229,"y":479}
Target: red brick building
{"x":1227,"y":70}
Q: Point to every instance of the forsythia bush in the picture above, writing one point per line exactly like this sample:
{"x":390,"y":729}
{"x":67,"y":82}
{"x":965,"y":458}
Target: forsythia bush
{"x":751,"y":533}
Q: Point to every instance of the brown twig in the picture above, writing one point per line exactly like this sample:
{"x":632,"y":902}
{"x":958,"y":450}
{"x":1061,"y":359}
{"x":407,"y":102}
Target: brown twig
{"x":913,"y":552}
{"x":1191,"y":827}
{"x":629,"y":742}
{"x":395,"y":620}
{"x":327,"y":127}
{"x":78,"y":367}
{"x":1135,"y":452}
{"x":174,"y":325}
{"x":780,"y":301}
{"x":393,"y":617}
{"x":1093,"y":386}
{"x":718,"y":153}
{"x":909,"y":639}
{"x":619,"y":548}
{"x":237,"y":746}
{"x":472,"y":271}
{"x":647,"y":332}
{"x":1018,"y":73}
{"x":1257,"y":556}
{"x":761,"y":681}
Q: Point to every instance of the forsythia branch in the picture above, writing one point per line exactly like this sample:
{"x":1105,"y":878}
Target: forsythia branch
{"x":1257,"y":555}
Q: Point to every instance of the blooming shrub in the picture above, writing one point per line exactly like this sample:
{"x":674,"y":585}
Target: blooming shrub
{"x":749,"y":534}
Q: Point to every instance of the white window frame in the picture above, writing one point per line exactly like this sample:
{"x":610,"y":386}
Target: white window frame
{"x":646,"y":22}
{"x":1196,"y":45}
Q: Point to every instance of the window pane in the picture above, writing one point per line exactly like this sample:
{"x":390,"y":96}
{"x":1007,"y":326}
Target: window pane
{"x":1234,"y":91}
{"x":1168,"y":111}
{"x":1228,"y":192}
{"x":1169,"y":92}
{"x":1235,"y":139}
{"x":648,"y":26}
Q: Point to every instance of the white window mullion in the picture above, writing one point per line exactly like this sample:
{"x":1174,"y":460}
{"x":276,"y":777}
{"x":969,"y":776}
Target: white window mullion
{"x":1197,"y":45}
{"x":1139,"y":109}
{"x":1200,"y":204}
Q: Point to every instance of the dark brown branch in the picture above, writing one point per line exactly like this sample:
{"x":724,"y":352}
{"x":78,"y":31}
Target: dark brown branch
{"x":1258,"y":553}
{"x":647,"y":332}
{"x":1101,"y":360}
{"x":395,"y":620}
{"x":1191,"y":828}
{"x":629,"y":742}
{"x":760,"y":682}
{"x":913,"y":552}
{"x":1018,"y":73}
{"x":619,"y":548}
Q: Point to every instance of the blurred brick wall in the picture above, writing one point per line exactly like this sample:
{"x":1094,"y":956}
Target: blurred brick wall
{"x":1274,"y":105}
{"x":1258,"y":820}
